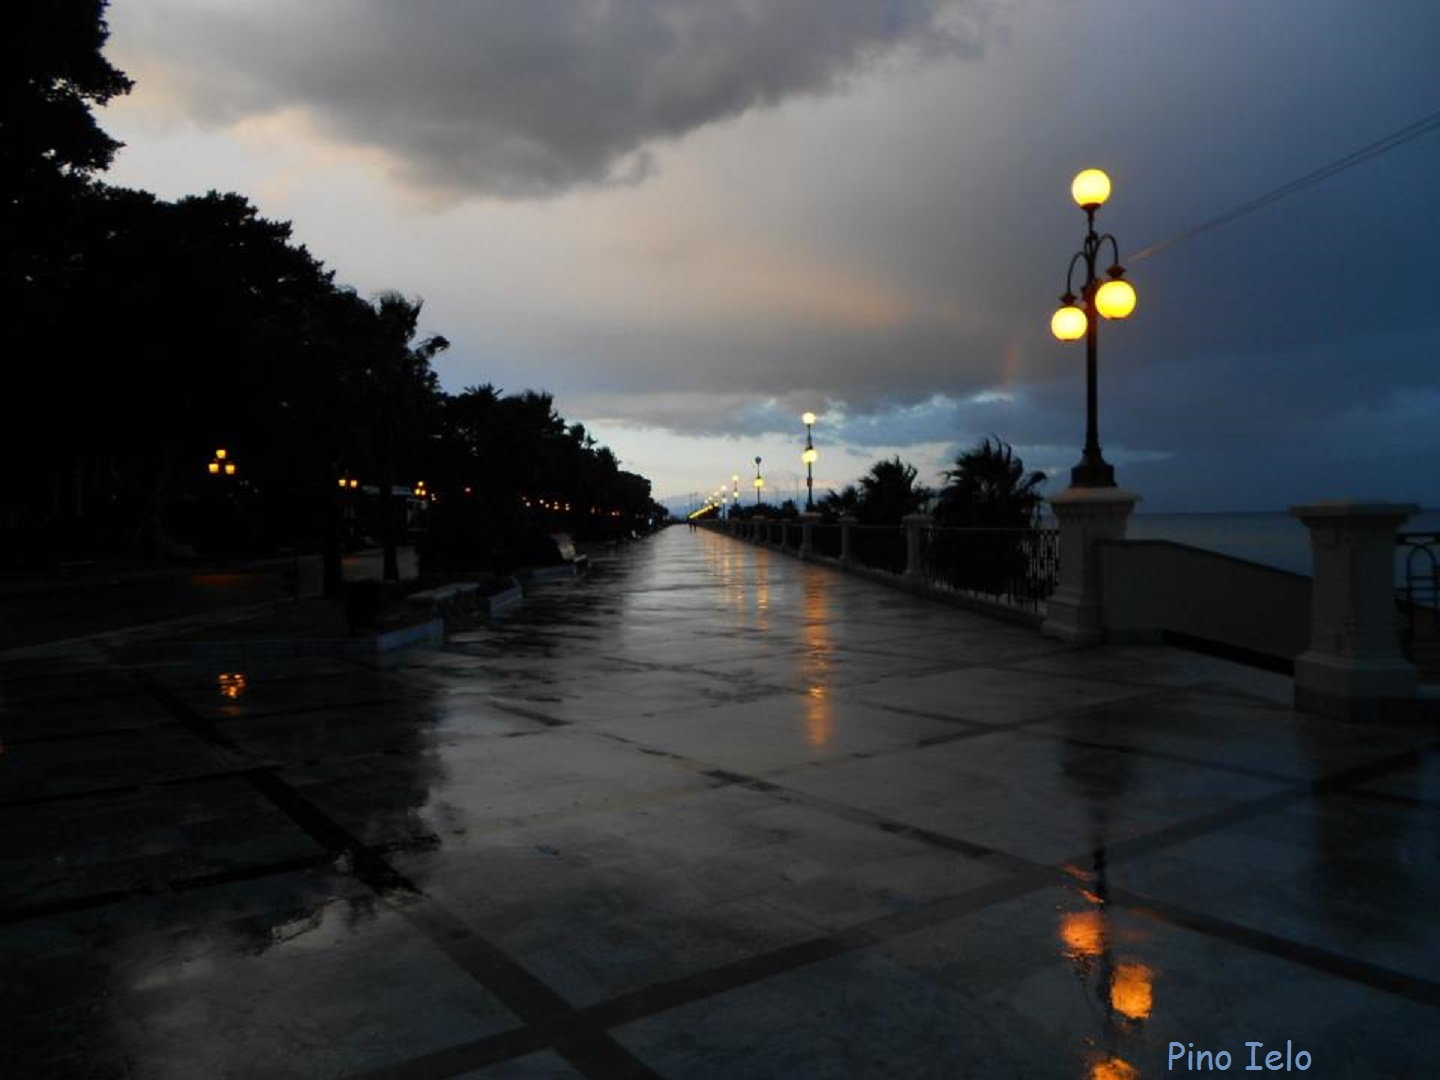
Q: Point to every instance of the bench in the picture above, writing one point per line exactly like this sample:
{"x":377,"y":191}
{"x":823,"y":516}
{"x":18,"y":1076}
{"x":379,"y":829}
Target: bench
{"x":566,"y":546}
{"x":572,"y":563}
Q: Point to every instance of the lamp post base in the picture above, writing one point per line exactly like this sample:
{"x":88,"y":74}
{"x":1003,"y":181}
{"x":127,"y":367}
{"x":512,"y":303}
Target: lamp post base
{"x":1087,"y":516}
{"x":1092,"y":472}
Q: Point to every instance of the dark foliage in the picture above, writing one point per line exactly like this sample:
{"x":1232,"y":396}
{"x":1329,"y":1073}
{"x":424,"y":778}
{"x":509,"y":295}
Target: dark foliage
{"x":145,"y":335}
{"x":989,"y":488}
{"x":988,"y":513}
{"x":888,"y":492}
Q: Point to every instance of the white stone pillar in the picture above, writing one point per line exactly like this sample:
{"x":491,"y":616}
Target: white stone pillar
{"x":847,"y":531}
{"x":1354,"y":661}
{"x":1086,"y":516}
{"x":807,"y":533}
{"x":915,"y":524}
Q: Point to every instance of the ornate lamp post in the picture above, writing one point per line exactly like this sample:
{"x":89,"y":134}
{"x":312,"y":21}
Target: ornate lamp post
{"x":759,"y":481}
{"x":735,"y":494}
{"x":809,"y":457}
{"x":1112,"y":299}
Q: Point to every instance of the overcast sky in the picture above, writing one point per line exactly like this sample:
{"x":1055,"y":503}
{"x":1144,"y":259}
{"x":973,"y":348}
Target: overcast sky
{"x":692,"y":220}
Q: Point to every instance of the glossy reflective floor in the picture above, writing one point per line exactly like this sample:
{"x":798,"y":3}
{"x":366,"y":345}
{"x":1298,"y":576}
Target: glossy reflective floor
{"x":711,"y":813}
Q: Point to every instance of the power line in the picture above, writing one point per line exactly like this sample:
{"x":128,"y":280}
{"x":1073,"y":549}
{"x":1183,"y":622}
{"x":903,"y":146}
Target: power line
{"x":1420,"y":127}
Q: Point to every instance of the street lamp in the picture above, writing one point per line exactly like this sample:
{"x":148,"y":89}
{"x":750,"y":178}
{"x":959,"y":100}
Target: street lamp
{"x":735,"y":496}
{"x":1112,"y":299}
{"x":221,"y":463}
{"x":759,"y":481}
{"x":809,"y":457}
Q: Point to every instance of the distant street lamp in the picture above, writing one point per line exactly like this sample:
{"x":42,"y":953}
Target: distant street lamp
{"x":759,"y":481}
{"x":221,"y":463}
{"x":735,"y":496}
{"x":1112,"y":299}
{"x":809,"y":457}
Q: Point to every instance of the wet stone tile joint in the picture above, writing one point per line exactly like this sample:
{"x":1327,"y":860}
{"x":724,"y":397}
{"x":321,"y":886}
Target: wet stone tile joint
{"x":870,"y":836}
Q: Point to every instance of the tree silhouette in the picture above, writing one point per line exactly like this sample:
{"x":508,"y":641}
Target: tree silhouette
{"x":143,"y":335}
{"x":990,"y":492}
{"x":838,"y":503}
{"x":990,"y":488}
{"x":401,"y":389}
{"x":52,"y":74}
{"x":888,"y":492}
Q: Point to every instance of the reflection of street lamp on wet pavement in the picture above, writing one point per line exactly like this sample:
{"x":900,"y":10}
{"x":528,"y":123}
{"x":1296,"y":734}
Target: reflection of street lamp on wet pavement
{"x":1124,"y":986}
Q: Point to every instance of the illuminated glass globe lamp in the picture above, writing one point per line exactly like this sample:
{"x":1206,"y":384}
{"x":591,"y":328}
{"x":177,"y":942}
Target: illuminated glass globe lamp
{"x":1090,"y":189}
{"x":1116,"y":298}
{"x":810,"y":456}
{"x":1069,"y":322}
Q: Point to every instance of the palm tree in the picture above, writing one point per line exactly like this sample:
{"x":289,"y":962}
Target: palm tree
{"x":888,"y":492}
{"x":836,"y":504}
{"x":989,"y":488}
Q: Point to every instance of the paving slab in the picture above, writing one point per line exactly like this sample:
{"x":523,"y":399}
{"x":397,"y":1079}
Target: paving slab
{"x":707,"y":812}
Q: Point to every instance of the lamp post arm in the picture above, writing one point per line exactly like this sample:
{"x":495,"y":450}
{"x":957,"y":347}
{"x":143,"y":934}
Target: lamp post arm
{"x":1070,"y":271}
{"x":1114,"y":249}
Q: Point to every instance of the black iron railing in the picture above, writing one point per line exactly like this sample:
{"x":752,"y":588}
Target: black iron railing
{"x":879,"y":547}
{"x":1419,"y":587}
{"x":1016,"y":567}
{"x":1020,"y":567}
{"x":825,"y":541}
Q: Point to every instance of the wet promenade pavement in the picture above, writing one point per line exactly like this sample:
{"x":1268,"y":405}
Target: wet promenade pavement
{"x":711,"y":813}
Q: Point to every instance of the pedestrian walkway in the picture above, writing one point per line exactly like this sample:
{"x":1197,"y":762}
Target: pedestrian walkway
{"x":709,"y":813}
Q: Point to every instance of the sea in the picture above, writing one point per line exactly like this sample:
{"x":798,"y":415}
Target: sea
{"x":1273,"y":539}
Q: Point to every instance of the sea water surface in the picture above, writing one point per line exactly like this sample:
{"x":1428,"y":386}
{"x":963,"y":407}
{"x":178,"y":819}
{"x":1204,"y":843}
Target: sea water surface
{"x":1273,"y":539}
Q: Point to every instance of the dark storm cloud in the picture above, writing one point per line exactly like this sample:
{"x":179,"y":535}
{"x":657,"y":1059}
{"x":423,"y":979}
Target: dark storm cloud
{"x":532,"y":98}
{"x":890,"y":253}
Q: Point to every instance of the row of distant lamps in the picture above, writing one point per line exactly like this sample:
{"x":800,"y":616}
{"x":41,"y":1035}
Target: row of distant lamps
{"x":1110,"y":298}
{"x":349,"y":483}
{"x":810,"y":455}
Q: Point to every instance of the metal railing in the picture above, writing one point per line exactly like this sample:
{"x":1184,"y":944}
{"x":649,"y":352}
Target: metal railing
{"x":878,"y":547}
{"x":1421,"y":579}
{"x":825,"y":541}
{"x":1019,"y":567}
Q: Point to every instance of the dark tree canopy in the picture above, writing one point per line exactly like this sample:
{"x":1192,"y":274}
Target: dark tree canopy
{"x":838,"y":503}
{"x":989,"y":488}
{"x":52,"y":74}
{"x":889,"y":491}
{"x":145,"y":335}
